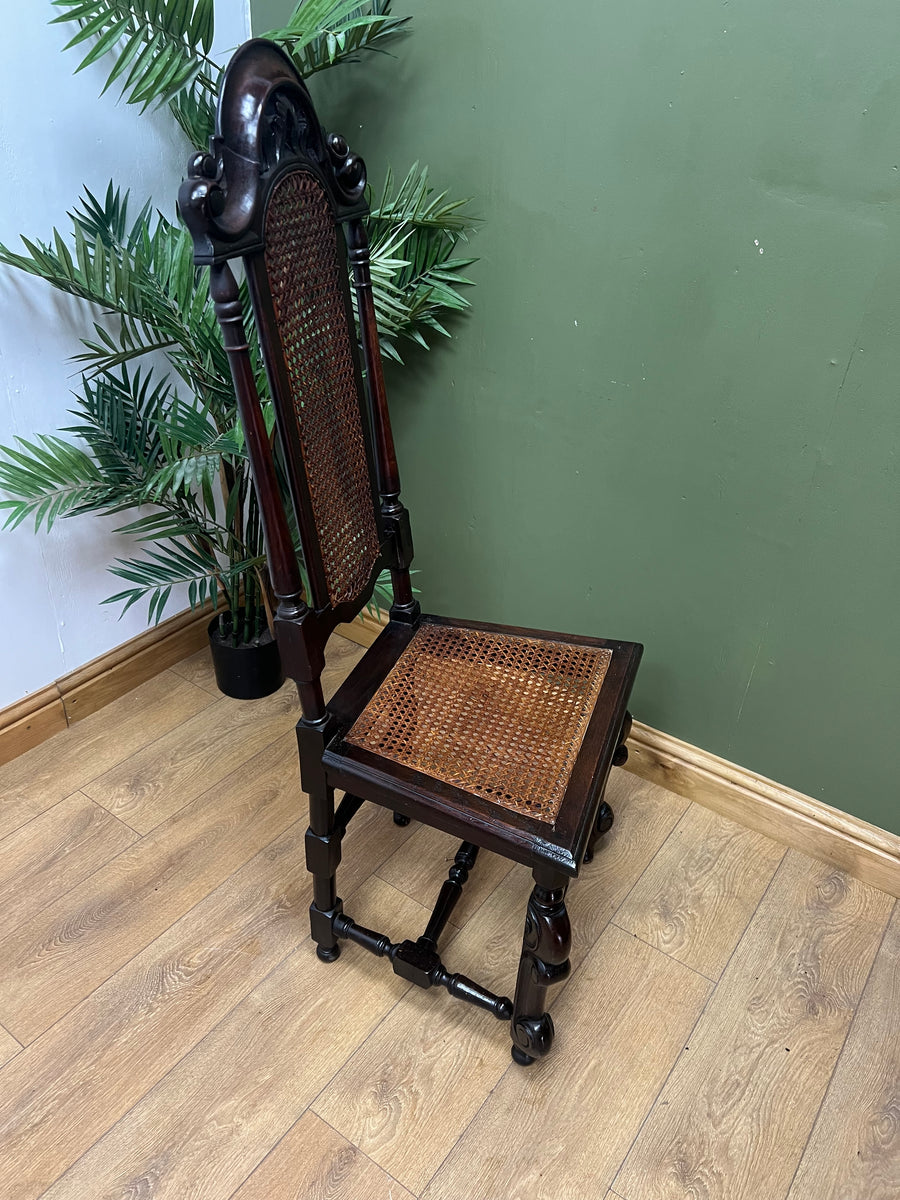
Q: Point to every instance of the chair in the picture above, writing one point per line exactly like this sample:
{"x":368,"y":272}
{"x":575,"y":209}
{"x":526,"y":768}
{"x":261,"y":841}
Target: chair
{"x":500,"y":736}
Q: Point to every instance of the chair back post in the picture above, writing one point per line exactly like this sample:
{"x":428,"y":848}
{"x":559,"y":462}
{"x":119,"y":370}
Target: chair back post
{"x":284,"y":572}
{"x":393,"y":512}
{"x":283,"y":569}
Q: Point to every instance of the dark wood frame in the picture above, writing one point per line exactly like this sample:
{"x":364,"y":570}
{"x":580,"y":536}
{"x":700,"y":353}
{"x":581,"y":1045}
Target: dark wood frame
{"x":223,"y":203}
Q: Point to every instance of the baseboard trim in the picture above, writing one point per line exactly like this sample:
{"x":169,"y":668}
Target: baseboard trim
{"x":110,"y":676}
{"x":31,"y":721}
{"x":862,"y":850}
{"x":35,"y":718}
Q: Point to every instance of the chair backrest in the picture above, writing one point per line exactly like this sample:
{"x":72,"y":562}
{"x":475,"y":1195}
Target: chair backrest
{"x":289,"y":200}
{"x":301,"y":297}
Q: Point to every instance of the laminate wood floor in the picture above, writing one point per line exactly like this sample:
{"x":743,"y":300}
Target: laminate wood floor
{"x":730,"y":1029}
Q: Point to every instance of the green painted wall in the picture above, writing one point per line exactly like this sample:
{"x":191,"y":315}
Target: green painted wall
{"x":673,"y":413}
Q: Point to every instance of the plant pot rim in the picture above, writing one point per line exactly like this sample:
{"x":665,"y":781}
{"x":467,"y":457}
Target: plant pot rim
{"x":264,"y":638}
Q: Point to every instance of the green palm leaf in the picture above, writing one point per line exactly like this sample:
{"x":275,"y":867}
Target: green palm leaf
{"x":175,"y":564}
{"x":321,"y":33}
{"x":163,"y":45}
{"x":413,"y":293}
{"x":141,"y":442}
{"x":48,"y":479}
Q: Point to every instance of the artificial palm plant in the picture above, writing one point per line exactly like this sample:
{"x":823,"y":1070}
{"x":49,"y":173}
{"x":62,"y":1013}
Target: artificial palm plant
{"x":168,"y":442}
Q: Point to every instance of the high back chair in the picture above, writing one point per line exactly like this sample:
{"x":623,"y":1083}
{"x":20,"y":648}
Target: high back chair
{"x":500,"y":736}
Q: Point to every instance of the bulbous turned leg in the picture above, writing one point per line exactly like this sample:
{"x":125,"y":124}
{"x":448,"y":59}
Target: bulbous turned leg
{"x":544,"y":960}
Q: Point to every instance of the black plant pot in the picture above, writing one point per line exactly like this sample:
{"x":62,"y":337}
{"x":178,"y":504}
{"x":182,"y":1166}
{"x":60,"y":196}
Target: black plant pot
{"x":249,"y":670}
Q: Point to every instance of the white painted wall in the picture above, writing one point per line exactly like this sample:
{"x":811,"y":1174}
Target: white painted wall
{"x":56,"y":135}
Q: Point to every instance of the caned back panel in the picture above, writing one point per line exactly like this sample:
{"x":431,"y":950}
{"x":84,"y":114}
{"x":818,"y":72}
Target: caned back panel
{"x":304,"y":270}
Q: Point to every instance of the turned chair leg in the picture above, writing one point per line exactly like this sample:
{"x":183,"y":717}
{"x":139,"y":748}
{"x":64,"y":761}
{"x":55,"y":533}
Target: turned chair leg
{"x":544,"y":960}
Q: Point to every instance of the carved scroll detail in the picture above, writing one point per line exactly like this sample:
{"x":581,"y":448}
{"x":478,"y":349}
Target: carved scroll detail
{"x":221,"y":201}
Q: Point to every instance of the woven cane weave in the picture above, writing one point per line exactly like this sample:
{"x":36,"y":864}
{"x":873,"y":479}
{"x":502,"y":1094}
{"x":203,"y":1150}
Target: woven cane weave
{"x":304,"y":273}
{"x":500,"y":716}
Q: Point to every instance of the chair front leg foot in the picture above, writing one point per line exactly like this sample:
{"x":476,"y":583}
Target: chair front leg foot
{"x":544,"y":961}
{"x":537,"y":1034}
{"x":321,"y":928}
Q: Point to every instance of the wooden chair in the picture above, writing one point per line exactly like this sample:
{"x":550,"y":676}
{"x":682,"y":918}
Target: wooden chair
{"x":501,"y":736}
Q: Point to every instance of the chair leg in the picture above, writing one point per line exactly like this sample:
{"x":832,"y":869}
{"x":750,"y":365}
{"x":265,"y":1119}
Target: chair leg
{"x":544,"y":960}
{"x":323,"y":853}
{"x":620,"y":758}
{"x":605,"y":818}
{"x":605,"y":815}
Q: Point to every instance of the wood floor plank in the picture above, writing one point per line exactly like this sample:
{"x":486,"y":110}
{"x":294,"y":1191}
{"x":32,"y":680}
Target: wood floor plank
{"x":645,"y":816}
{"x":9,"y":1047}
{"x":697,"y":896}
{"x":735,"y":1114}
{"x":433,"y":1054}
{"x":189,"y":1071}
{"x":66,"y":1089}
{"x":561,"y":1127}
{"x":313,"y":1162}
{"x":67,"y":949}
{"x":42,"y":860}
{"x":160,"y":779}
{"x":420,"y":866}
{"x":371,"y":839}
{"x":198,"y":669}
{"x":203,"y":1129}
{"x":35,"y":781}
{"x":854,"y":1150}
{"x":340,"y":658}
{"x":79,"y":1077}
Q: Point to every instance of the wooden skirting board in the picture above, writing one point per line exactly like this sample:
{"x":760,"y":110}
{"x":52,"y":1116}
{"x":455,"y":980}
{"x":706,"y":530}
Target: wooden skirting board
{"x":30,"y":721}
{"x":862,"y":850}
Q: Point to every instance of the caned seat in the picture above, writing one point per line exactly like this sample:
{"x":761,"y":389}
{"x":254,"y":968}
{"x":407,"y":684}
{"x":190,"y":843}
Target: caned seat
{"x":501,"y":736}
{"x":500,"y":716}
{"x":482,"y":721}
